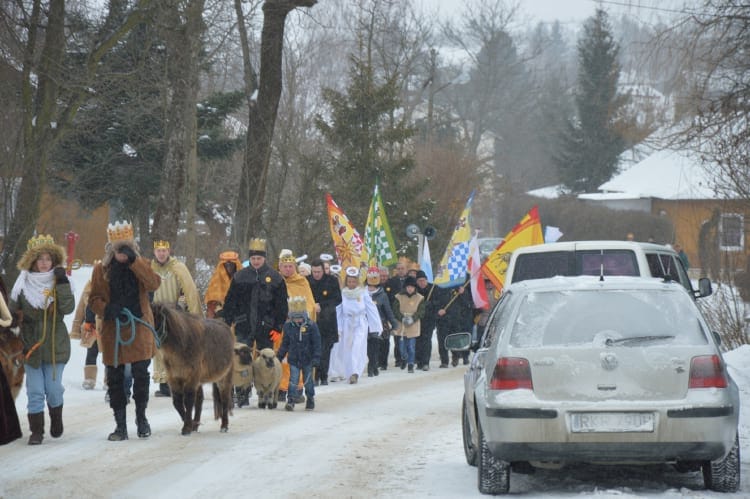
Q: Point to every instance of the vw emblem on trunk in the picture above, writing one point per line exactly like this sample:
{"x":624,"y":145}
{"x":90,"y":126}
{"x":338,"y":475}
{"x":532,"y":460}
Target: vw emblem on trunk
{"x":609,"y":361}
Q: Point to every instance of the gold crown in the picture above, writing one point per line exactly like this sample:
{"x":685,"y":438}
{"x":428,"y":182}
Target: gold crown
{"x":257,"y":245}
{"x":286,"y":256}
{"x":40,"y":240}
{"x":161,"y":244}
{"x":297,"y":305}
{"x":119,"y":231}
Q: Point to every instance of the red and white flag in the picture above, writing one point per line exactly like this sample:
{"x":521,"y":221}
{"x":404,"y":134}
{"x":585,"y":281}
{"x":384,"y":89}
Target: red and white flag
{"x":478,"y":290}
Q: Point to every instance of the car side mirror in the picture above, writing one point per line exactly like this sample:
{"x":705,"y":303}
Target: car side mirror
{"x":458,"y":342}
{"x":704,"y":287}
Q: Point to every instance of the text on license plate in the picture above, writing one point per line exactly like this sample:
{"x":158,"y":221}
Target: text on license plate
{"x":611,"y":422}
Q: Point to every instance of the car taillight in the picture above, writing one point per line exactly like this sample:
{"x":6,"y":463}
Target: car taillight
{"x":706,"y":371}
{"x":511,"y":373}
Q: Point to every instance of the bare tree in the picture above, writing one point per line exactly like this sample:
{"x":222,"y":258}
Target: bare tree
{"x":48,"y":101}
{"x":183,"y":29}
{"x":712,"y":107}
{"x":262,"y":113}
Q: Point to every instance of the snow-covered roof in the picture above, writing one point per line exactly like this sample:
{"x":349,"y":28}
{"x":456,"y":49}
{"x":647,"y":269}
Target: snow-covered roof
{"x":664,"y":175}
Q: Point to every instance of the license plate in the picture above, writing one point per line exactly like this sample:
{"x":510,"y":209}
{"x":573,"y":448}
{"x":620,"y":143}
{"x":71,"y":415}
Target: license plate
{"x":611,"y":422}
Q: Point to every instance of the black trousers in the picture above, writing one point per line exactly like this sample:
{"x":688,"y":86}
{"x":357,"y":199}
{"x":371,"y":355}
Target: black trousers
{"x":373,"y":353}
{"x":385,"y":348}
{"x":141,"y":381}
{"x":326,"y":344}
{"x":423,"y":348}
{"x":442,"y":333}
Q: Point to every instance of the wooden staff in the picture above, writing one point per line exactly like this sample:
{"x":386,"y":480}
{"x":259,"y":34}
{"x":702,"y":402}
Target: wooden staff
{"x":463,"y":286}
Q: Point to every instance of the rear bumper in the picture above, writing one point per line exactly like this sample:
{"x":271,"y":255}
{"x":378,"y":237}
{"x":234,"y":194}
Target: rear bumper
{"x":609,"y":452}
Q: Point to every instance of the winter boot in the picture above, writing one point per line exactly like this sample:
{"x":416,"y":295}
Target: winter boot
{"x":289,"y":406}
{"x":310,"y":405}
{"x":403,"y":364}
{"x":411,"y":368}
{"x":121,"y":431}
{"x":55,"y":421}
{"x":144,"y":429}
{"x":89,"y":377}
{"x":36,"y":425}
{"x":323,"y":379}
{"x":353,"y":379}
{"x":163,"y":391}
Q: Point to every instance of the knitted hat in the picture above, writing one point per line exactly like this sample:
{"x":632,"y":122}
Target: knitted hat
{"x":410,"y":281}
{"x":420,"y":273}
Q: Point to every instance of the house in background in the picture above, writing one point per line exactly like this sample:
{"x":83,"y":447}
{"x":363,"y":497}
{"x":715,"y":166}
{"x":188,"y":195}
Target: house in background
{"x":58,"y":216}
{"x":710,"y":228}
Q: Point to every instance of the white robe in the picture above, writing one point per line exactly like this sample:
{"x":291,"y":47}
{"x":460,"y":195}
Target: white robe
{"x":356,"y":315}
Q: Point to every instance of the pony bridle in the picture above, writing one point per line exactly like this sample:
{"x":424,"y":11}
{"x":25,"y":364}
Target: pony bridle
{"x":14,"y":358}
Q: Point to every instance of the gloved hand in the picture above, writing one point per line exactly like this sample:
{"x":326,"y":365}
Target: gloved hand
{"x":112,"y":311}
{"x":231,"y":268}
{"x":274,"y":335}
{"x":60,"y":275}
{"x":128,"y":251}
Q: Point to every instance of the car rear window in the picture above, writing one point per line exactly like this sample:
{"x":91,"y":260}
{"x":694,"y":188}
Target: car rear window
{"x":626,"y":317}
{"x":614,"y":262}
{"x":542,"y":265}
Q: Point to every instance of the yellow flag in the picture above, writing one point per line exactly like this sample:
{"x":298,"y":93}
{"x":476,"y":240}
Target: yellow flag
{"x":527,"y":232}
{"x":350,"y":248}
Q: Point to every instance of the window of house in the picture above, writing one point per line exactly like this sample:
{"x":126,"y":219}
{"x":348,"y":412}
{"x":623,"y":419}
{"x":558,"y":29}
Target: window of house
{"x":731,"y":231}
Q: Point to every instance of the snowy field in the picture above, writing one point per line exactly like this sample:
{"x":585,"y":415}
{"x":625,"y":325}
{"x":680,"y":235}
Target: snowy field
{"x":395,"y":435}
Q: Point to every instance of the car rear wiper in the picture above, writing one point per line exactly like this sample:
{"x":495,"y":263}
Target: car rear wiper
{"x":636,"y":339}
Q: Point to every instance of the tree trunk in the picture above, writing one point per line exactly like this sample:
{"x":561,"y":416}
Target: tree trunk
{"x":180,"y":171}
{"x":43,"y":119}
{"x":262,"y":118}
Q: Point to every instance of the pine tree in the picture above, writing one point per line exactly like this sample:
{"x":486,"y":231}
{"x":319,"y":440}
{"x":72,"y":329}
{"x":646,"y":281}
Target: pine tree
{"x":592,"y":144}
{"x":369,"y":144}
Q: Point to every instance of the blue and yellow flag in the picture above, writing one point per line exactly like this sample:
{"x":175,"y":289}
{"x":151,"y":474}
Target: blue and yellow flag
{"x":455,"y":262}
{"x":378,"y":236}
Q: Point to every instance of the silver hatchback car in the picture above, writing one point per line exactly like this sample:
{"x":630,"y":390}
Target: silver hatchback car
{"x":579,"y":369}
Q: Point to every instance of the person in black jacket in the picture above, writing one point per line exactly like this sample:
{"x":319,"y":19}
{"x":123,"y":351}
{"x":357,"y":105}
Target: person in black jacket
{"x":256,"y":304}
{"x":377,"y":341}
{"x":435,"y":299}
{"x":327,"y":294}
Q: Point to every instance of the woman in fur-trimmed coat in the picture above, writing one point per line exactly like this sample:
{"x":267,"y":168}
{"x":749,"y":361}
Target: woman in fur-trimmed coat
{"x":123,"y":280}
{"x":41,"y":297}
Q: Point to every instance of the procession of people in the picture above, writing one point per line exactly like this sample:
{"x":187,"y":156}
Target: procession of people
{"x":338,"y":329}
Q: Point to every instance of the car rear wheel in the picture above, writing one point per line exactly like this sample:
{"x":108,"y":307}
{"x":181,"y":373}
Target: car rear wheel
{"x":493,"y":474}
{"x":724,"y":475}
{"x":469,"y":450}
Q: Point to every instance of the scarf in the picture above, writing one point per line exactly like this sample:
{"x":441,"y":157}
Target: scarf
{"x":33,"y":286}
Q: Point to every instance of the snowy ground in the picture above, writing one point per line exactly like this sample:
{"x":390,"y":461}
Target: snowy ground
{"x":396,"y":435}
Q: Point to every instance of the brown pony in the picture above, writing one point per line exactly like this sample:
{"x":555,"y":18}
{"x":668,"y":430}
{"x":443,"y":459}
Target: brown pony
{"x":195,"y":351}
{"x":11,"y":359}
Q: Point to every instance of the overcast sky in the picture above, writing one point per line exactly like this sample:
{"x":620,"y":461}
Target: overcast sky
{"x":566,"y":10}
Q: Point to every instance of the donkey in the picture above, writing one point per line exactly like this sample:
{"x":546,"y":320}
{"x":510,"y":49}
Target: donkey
{"x":11,"y":360}
{"x":195,"y":351}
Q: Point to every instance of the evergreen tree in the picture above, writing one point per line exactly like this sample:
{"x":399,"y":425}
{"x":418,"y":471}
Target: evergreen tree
{"x":593,"y":143}
{"x":369,"y":145}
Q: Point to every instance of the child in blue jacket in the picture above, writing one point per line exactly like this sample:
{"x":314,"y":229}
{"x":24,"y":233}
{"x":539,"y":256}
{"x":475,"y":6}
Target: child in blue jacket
{"x":301,"y":341}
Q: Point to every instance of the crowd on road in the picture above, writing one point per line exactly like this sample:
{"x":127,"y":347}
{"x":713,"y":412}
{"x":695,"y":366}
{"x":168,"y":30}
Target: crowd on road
{"x":325,"y":324}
